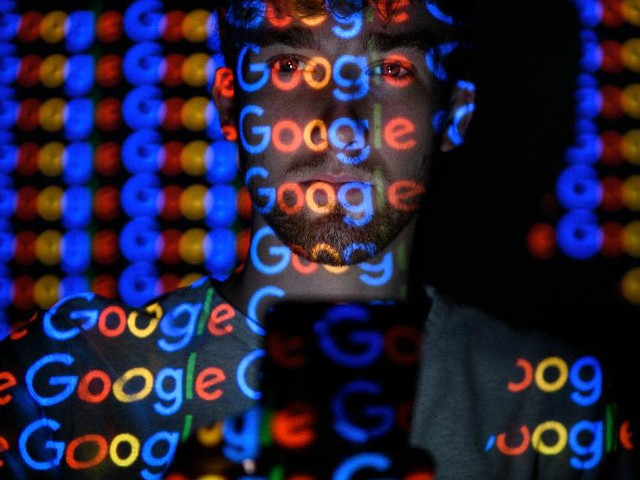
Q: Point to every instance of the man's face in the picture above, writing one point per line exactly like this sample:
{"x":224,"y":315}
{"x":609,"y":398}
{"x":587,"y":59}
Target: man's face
{"x":334,"y":117}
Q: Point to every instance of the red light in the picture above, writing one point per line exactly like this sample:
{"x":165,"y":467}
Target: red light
{"x":612,"y":245}
{"x":109,"y":26}
{"x":23,"y":292}
{"x":106,"y":203}
{"x":27,"y":204}
{"x":171,"y":207}
{"x":171,"y":246}
{"x":28,"y":119}
{"x":29,"y":72}
{"x":25,"y":247}
{"x":612,"y":196}
{"x":171,"y":162}
{"x":105,"y":285}
{"x":172,"y":114}
{"x":611,"y":148}
{"x":29,"y":28}
{"x":173,"y":26}
{"x":107,"y":159}
{"x":105,"y":247}
{"x":173,"y":70}
{"x":541,"y":241}
{"x":108,"y":114}
{"x":109,"y":71}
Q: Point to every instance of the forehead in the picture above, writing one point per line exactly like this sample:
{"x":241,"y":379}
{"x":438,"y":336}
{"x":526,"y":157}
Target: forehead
{"x":342,"y":20}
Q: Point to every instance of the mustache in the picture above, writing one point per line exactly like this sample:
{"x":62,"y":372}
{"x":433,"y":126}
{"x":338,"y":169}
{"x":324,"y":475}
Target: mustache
{"x":325,"y":161}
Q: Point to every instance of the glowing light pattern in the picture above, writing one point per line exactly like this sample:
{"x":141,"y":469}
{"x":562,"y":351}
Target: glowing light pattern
{"x":104,"y":116}
{"x":598,"y":181}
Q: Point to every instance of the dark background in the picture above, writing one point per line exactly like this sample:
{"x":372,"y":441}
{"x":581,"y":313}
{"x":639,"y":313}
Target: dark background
{"x":485,"y":198}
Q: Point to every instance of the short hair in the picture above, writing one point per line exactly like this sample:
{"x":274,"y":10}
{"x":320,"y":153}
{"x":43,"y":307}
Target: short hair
{"x":237,"y":19}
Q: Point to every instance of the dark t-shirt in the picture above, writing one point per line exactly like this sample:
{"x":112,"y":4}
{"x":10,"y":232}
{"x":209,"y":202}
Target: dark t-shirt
{"x":96,"y":389}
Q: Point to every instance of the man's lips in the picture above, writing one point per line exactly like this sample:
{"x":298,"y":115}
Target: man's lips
{"x":332,"y":178}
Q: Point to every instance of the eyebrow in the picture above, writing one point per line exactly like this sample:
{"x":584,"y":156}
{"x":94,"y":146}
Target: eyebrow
{"x":295,"y":37}
{"x":303,"y":37}
{"x":421,"y":40}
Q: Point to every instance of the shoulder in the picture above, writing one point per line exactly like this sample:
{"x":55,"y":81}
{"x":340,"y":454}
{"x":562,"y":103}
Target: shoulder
{"x":482,"y":330}
{"x":95,"y":322}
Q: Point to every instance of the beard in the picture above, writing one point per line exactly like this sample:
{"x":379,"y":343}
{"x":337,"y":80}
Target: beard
{"x":330,"y":240}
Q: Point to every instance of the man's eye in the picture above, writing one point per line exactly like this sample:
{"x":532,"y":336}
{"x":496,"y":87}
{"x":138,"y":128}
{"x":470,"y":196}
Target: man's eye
{"x":286,"y":64}
{"x":392,"y":69}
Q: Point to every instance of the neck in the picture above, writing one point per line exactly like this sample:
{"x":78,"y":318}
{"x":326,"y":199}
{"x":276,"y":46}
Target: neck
{"x":272,"y":273}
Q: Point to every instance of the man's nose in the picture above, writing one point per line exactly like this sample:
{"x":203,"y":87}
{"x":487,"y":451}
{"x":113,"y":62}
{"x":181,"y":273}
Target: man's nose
{"x":342,"y":125}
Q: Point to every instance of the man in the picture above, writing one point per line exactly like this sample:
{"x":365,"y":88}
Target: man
{"x":338,"y":109}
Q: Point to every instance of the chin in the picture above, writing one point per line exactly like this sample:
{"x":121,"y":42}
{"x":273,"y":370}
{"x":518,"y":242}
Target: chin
{"x":329,"y":240}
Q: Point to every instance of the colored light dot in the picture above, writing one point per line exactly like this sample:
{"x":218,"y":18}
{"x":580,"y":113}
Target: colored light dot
{"x":197,"y":113}
{"x":243,"y":241}
{"x":193,"y":202}
{"x":168,"y":282}
{"x":194,"y":25}
{"x":611,"y":102}
{"x":630,"y":100}
{"x":631,"y":239}
{"x":53,"y":26}
{"x":612,"y":56}
{"x":631,"y":146}
{"x":51,"y":115}
{"x":46,"y":291}
{"x":612,"y":194}
{"x":631,"y":192}
{"x":541,"y":241}
{"x":193,"y":157}
{"x":50,"y":159}
{"x":52,"y":70}
{"x":190,"y":278}
{"x":611,"y":148}
{"x":612,"y":246}
{"x":48,"y":247}
{"x":192,"y":246}
{"x":244,"y":205}
{"x":49,"y":203}
{"x":631,"y":11}
{"x":631,"y":54}
{"x":195,"y":70}
{"x":630,"y":286}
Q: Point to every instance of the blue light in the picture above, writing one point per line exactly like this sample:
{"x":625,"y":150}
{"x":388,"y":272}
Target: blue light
{"x":141,"y":151}
{"x":138,"y":283}
{"x":223,"y":209}
{"x":139,"y":196}
{"x":8,"y":156}
{"x":439,"y":14}
{"x":7,"y":202}
{"x":139,"y":240}
{"x":587,"y":149}
{"x":220,"y":259}
{"x":579,"y":235}
{"x":142,"y":64}
{"x":80,"y":75}
{"x":76,"y":211}
{"x":8,"y":24}
{"x":80,"y":30}
{"x":141,"y":107}
{"x":588,"y":102}
{"x":78,"y":123}
{"x":78,"y":163}
{"x":222,"y":163}
{"x":73,"y":285}
{"x":8,"y":112}
{"x":7,"y":241}
{"x":142,"y":20}
{"x":578,"y":187}
{"x":75,"y":252}
{"x":9,"y":66}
